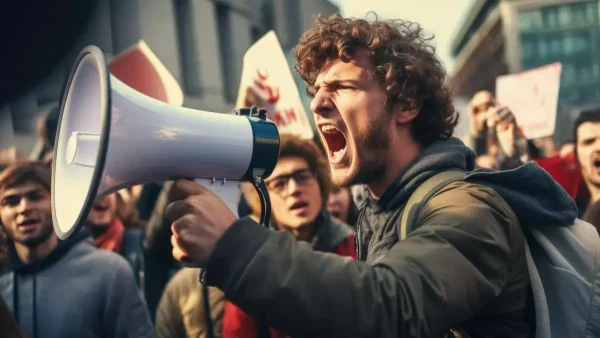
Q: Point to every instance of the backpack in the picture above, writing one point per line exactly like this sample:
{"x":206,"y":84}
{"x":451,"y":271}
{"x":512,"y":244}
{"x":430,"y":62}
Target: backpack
{"x":563,"y":264}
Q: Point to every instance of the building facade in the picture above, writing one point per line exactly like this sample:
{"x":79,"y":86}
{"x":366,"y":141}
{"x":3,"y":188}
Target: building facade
{"x":201,"y":42}
{"x":501,"y":37}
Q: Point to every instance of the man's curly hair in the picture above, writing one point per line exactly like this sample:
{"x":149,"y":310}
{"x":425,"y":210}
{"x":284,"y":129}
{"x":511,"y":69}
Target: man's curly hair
{"x":406,"y":67}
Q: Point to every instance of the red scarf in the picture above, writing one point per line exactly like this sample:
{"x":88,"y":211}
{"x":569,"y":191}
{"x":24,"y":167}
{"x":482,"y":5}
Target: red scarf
{"x":112,"y":238}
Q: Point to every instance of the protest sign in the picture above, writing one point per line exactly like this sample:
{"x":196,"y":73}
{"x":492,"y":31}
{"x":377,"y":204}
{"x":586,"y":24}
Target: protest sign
{"x":267,"y":82}
{"x":139,"y":68}
{"x":532,"y":96}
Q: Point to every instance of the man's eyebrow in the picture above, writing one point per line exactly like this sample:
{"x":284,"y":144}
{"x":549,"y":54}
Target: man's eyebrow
{"x":336,"y":82}
{"x":30,"y":191}
{"x":588,"y":138}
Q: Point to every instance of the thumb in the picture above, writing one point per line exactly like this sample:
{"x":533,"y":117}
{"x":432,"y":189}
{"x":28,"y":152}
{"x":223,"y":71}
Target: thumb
{"x":183,"y":188}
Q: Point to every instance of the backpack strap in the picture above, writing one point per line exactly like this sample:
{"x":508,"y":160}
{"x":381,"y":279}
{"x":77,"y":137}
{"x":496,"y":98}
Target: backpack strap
{"x":416,"y":201}
{"x":421,"y":195}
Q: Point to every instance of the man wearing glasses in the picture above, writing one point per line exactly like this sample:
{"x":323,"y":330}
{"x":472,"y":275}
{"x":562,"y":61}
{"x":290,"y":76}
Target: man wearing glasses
{"x":298,"y":188}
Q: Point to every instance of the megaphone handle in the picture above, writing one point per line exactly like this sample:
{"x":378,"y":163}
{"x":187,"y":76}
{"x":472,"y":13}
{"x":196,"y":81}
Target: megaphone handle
{"x":265,"y":213}
{"x":265,"y":203}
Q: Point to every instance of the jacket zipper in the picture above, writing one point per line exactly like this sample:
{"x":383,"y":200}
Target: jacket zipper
{"x":358,"y":238}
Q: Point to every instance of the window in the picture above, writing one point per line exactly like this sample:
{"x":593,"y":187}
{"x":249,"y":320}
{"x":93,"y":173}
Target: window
{"x":187,"y":48}
{"x":267,"y":21}
{"x":226,"y":49}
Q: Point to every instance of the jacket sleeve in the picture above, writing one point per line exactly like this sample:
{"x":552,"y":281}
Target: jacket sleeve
{"x":445,"y":271}
{"x":125,"y":313}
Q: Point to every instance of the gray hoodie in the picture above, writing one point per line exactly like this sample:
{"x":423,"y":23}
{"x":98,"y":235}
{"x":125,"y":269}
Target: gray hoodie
{"x":76,"y":291}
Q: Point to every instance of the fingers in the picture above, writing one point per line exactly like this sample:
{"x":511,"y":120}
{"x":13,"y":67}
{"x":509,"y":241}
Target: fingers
{"x":178,"y":209}
{"x":181,"y":236}
{"x":184,"y":188}
{"x":182,"y":224}
{"x":178,"y":252}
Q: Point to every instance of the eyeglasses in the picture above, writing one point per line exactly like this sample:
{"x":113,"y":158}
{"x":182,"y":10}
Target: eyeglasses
{"x":302,"y":177}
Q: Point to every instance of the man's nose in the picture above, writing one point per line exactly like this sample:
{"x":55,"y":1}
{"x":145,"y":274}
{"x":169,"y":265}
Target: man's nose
{"x":596,"y":145}
{"x":24,"y":205}
{"x":331,"y":200}
{"x":321,"y":104}
{"x":293,"y":188}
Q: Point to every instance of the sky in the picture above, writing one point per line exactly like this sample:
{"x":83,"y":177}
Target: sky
{"x":438,"y":17}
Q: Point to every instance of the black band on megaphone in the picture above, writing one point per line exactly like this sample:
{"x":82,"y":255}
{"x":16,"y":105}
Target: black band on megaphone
{"x":265,"y":153}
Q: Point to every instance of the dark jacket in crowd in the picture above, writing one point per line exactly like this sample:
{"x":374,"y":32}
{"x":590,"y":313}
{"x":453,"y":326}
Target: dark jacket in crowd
{"x":159,"y":264}
{"x":464,"y":265}
{"x":76,"y":291}
{"x":331,"y":236}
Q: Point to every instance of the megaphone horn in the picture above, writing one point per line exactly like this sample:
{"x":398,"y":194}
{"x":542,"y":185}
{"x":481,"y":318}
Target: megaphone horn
{"x":110,"y":137}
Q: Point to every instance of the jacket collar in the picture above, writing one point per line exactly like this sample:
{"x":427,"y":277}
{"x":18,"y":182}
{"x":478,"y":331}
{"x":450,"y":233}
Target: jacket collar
{"x":15,"y":264}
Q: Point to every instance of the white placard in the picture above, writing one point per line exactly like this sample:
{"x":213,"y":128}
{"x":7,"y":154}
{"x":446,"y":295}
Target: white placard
{"x":532,"y":96}
{"x":268,"y":77}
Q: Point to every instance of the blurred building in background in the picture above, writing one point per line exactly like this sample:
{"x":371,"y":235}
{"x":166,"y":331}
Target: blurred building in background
{"x":201,"y":42}
{"x":500,"y":37}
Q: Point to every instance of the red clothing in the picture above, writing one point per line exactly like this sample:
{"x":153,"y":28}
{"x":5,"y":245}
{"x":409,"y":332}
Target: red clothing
{"x":237,"y":324}
{"x":112,"y":239}
{"x":567,"y":173}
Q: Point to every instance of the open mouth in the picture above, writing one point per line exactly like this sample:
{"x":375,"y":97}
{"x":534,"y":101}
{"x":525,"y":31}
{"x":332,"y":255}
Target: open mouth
{"x":597,"y":163}
{"x":99,"y":207}
{"x":336,"y":143}
{"x":299,"y":205}
{"x":27,"y":222}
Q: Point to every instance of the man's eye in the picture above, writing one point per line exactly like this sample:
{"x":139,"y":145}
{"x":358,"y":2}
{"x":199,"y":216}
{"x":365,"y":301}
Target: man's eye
{"x":10,"y":202}
{"x":279,"y":184}
{"x":345,"y":87}
{"x":36,"y":197}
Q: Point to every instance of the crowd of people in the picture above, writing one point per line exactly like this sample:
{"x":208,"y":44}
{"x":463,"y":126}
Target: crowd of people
{"x":324,"y":268}
{"x":121,"y":265}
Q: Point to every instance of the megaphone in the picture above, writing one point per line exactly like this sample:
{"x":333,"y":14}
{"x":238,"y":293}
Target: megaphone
{"x":110,"y":137}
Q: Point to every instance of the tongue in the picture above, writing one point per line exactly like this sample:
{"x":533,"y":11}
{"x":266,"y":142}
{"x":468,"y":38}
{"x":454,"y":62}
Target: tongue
{"x":335,"y":141}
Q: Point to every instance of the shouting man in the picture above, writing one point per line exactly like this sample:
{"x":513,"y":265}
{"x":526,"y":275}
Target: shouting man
{"x":386,"y":119}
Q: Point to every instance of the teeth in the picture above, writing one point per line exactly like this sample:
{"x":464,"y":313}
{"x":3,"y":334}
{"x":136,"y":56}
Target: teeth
{"x":328,"y":127}
{"x":337,"y":153}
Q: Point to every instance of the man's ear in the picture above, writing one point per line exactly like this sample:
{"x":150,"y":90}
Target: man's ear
{"x":404,"y":116}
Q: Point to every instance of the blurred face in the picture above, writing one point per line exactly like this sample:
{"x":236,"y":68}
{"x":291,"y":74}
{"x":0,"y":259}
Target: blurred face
{"x":294,"y":192}
{"x":588,"y":151}
{"x":26,"y":215}
{"x":338,"y":203}
{"x":566,"y":149}
{"x":486,"y":161}
{"x":103,"y":212}
{"x":480,"y":105}
{"x":353,"y":122}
